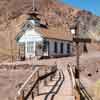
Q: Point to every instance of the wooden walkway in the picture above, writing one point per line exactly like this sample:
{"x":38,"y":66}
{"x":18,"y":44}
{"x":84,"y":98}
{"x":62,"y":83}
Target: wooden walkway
{"x":56,"y":84}
{"x":65,"y":92}
{"x":59,"y":89}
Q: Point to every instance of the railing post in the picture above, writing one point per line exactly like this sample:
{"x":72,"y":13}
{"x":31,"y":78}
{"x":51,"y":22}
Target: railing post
{"x":37,"y":86}
{"x":32,"y":94}
{"x":51,"y":77}
{"x":21,"y":96}
{"x":36,"y":80}
{"x":55,"y":70}
{"x":45,"y":80}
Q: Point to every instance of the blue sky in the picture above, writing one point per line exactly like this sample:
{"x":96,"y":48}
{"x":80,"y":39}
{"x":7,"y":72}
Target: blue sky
{"x":90,"y":5}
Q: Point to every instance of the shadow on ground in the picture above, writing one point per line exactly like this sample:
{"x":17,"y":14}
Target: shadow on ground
{"x":58,"y":84}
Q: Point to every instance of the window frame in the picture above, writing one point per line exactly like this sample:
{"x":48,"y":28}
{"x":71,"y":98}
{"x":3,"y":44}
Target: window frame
{"x":45,"y":45}
{"x":30,"y":47}
{"x":68,"y":47}
{"x":55,"y":47}
{"x":61,"y":47}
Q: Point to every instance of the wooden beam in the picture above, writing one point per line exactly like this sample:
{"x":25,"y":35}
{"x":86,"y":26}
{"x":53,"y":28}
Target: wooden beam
{"x":86,"y":40}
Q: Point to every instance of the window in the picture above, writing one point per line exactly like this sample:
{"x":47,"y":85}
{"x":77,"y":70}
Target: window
{"x":39,"y":45}
{"x":55,"y":47}
{"x":61,"y":48}
{"x":45,"y":45}
{"x":68,"y":48}
{"x":29,"y":47}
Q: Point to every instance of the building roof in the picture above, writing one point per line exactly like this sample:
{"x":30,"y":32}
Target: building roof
{"x":49,"y":32}
{"x":54,"y":33}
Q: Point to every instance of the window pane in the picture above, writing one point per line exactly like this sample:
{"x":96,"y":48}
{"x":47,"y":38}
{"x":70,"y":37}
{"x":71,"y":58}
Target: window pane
{"x":45,"y":45}
{"x":55,"y":47}
{"x":61,"y":48}
{"x":29,"y":47}
{"x":68,"y":48}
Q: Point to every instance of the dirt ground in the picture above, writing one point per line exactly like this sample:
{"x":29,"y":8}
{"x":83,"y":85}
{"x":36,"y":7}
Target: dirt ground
{"x":11,"y":80}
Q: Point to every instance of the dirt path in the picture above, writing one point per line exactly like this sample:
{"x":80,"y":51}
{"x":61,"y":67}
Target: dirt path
{"x":10,"y":81}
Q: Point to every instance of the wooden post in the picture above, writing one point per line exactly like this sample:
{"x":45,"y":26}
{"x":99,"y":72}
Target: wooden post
{"x":21,"y":96}
{"x":37,"y":83}
{"x":32,"y":95}
{"x":45,"y":80}
{"x":76,"y":94}
{"x":51,"y":76}
{"x":51,"y":69}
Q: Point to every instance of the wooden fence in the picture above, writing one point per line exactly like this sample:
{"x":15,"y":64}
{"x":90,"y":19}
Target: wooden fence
{"x":30,"y":88}
{"x":79,"y":90}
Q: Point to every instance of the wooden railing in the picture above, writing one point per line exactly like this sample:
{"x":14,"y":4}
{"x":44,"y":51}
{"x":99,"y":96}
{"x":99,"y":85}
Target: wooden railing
{"x":30,"y":88}
{"x":78,"y":86}
{"x":72,"y":75}
{"x":84,"y":94}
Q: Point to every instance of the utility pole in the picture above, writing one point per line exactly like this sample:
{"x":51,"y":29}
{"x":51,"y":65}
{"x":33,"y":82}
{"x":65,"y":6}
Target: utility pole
{"x":77,"y":69}
{"x":77,"y":39}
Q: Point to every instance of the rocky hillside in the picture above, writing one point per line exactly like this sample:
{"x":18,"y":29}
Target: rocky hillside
{"x":58,"y":16}
{"x":14,"y":12}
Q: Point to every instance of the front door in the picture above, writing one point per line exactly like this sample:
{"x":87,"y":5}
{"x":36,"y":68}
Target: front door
{"x":39,"y":49}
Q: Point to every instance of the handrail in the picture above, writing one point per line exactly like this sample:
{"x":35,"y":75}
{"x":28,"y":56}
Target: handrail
{"x":87,"y":95}
{"x":35,"y":83}
{"x":19,"y":91}
{"x":73,"y":77}
{"x":71,"y":72}
{"x":81,"y":87}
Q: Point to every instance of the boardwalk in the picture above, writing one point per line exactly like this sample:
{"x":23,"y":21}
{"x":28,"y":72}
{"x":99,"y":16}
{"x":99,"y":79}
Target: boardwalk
{"x":65,"y":92}
{"x":59,"y":89}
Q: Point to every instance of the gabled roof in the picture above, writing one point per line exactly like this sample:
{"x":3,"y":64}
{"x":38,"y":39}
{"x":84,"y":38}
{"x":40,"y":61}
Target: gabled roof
{"x":19,"y":35}
{"x":49,"y":32}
